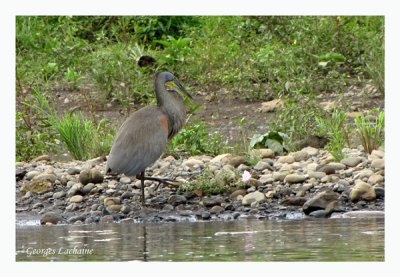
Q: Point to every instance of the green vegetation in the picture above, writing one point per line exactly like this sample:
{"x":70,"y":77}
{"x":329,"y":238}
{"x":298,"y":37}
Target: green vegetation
{"x":207,"y":183}
{"x":271,"y":140}
{"x":249,"y":57}
{"x":335,"y":129}
{"x":195,"y":139}
{"x":370,"y":132}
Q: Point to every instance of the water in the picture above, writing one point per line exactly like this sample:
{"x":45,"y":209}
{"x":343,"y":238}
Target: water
{"x":242,"y":240}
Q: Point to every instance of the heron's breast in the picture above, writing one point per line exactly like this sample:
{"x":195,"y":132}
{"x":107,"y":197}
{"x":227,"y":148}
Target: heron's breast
{"x":164,"y":122}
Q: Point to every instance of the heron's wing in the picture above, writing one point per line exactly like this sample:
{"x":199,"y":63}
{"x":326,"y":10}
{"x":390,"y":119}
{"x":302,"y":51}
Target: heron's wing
{"x":140,"y":141}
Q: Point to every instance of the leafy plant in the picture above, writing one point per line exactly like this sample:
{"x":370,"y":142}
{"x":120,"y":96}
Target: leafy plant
{"x":370,"y":133}
{"x":174,"y":49}
{"x":272,"y":140}
{"x":337,"y":132}
{"x":195,"y":139}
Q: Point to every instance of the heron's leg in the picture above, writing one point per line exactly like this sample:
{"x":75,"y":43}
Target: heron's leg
{"x":142,"y":182}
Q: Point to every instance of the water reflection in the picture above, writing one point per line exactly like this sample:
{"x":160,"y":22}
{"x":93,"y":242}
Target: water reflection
{"x":243,"y":240}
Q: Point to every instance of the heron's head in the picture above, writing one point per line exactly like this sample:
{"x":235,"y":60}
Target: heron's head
{"x":171,"y":83}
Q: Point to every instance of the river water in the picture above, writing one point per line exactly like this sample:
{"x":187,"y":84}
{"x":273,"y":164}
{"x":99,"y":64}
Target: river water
{"x":241,"y":240}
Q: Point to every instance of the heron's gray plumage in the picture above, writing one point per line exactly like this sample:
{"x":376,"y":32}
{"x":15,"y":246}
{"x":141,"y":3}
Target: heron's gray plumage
{"x":140,"y":141}
{"x":142,"y":138}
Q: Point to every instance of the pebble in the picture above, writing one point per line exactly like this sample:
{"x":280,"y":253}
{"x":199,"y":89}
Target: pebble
{"x":265,"y":153}
{"x":378,"y":164}
{"x":177,"y":199}
{"x":300,"y":156}
{"x":76,"y":199}
{"x":253,"y":197}
{"x":261,"y":165}
{"x":29,"y":176}
{"x":295,"y":178}
{"x":50,"y":217}
{"x":87,"y":188}
{"x":286,"y":160}
{"x":216,"y":210}
{"x":125,"y":180}
{"x":375,"y":179}
{"x":59,"y":194}
{"x":73,"y":170}
{"x":326,"y":168}
{"x":237,"y":192}
{"x":362,"y":191}
{"x":351,"y":161}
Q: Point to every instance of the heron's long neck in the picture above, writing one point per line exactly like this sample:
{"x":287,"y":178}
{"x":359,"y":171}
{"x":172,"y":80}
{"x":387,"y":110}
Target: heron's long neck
{"x":172,"y":105}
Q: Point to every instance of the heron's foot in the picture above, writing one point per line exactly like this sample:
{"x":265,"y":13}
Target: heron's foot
{"x":161,"y":180}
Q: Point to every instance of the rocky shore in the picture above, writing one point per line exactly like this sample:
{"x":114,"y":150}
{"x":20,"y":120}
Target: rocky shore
{"x":307,"y":183}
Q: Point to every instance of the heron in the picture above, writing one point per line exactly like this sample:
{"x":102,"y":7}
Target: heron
{"x":143,"y":136}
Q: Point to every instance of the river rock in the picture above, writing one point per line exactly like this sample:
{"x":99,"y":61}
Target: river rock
{"x":237,"y":192}
{"x":221,"y":159}
{"x":106,"y":219}
{"x":378,"y":153}
{"x":127,"y":195}
{"x":38,"y":186}
{"x":41,"y":158}
{"x":294,"y":201}
{"x":362,"y":191}
{"x":59,"y":194}
{"x":177,"y":199}
{"x":75,"y":189}
{"x":264,"y":153}
{"x":300,"y":156}
{"x":126,"y":209}
{"x":73,"y":170}
{"x":45,"y":176}
{"x":193,"y":163}
{"x":295,"y":178}
{"x":375,"y":179}
{"x":114,"y":208}
{"x":326,"y":168}
{"x":351,"y":161}
{"x":266,"y":179}
{"x":216,"y":210}
{"x":363,"y":214}
{"x":90,"y":176}
{"x":378,"y":164}
{"x":317,"y":175}
{"x":311,"y":151}
{"x":325,"y":200}
{"x":96,"y":175}
{"x":109,"y":201}
{"x":278,"y":176}
{"x":379,"y":192}
{"x":212,"y":201}
{"x":76,"y":199}
{"x":337,"y":166}
{"x":286,"y":160}
{"x":125,"y":180}
{"x":261,"y":165}
{"x":50,"y":217}
{"x":31,"y":174}
{"x":253,"y":197}
{"x":86,"y":189}
{"x":235,"y":161}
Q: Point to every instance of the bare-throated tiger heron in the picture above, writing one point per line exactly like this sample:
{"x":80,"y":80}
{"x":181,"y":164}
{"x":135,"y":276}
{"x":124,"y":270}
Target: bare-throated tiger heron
{"x":143,"y":136}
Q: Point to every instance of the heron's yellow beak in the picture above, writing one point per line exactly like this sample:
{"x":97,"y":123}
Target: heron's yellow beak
{"x":177,"y":86}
